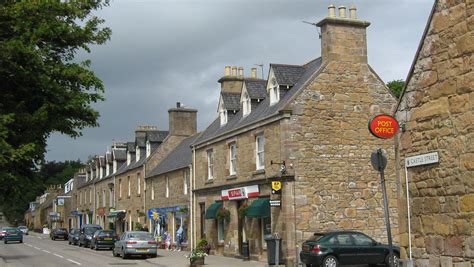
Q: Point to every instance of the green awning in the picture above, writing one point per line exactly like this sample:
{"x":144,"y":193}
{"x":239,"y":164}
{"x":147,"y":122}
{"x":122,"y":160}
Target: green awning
{"x":115,"y":213}
{"x":212,"y":210}
{"x":260,"y":208}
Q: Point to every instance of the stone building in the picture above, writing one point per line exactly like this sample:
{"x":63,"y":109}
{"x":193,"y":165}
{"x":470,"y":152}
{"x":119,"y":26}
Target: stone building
{"x":168,"y":194}
{"x":129,"y":180}
{"x":436,"y":148}
{"x":305,"y":129}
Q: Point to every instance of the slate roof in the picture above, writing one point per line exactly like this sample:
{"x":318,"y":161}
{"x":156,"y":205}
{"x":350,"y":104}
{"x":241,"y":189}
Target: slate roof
{"x":156,"y":136}
{"x":287,"y":74}
{"x":178,"y":158}
{"x":231,"y":100}
{"x":120,"y":154}
{"x":108,"y":157}
{"x":256,"y":88}
{"x":131,"y":146}
{"x":102,"y":161}
{"x":140,"y":141}
{"x":263,"y":110}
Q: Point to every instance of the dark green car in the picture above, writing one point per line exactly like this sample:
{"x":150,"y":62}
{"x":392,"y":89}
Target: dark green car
{"x":333,"y":249}
{"x":12,"y":234}
{"x":103,"y":239}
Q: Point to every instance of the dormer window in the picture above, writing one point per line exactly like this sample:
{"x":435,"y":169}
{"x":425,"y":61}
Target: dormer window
{"x":274,"y":91}
{"x":114,"y":166}
{"x":137,"y":153}
{"x":246,"y":105}
{"x":129,"y":158}
{"x":223,"y":116}
{"x":148,"y":149}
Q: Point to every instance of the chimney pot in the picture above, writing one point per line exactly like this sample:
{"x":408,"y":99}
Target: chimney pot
{"x":227,"y":71}
{"x":352,"y":12}
{"x":331,"y":11}
{"x":254,"y":72}
{"x":234,"y":71}
{"x":342,"y":11}
{"x":241,"y":72}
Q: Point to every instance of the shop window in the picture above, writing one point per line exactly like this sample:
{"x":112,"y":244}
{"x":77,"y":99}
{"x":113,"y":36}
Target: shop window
{"x":233,"y":159}
{"x":260,"y":150}
{"x":220,"y":230}
{"x":202,"y":208}
{"x":266,"y":224}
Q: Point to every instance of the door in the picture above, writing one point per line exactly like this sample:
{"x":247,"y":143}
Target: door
{"x":344,"y":247}
{"x":240,"y":225}
{"x":368,"y":251}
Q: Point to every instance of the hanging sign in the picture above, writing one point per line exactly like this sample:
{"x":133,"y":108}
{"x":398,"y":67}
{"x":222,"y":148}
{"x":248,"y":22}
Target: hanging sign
{"x":383,"y":126}
{"x":276,"y":187}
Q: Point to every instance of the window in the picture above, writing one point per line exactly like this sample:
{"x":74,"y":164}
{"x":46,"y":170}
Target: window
{"x":274,"y":91}
{"x":186,"y":180}
{"x":148,"y":149}
{"x":111,"y":198}
{"x":246,"y":106}
{"x":103,"y":198}
{"x":266,"y":229}
{"x":344,"y":239}
{"x":202,"y":208}
{"x":129,"y":187}
{"x":97,"y":200}
{"x":90,"y":196}
{"x":152,"y":190}
{"x":138,"y":184}
{"x":137,"y":154}
{"x":223,"y":115}
{"x":362,"y":240}
{"x":80,"y":198}
{"x":120,"y":188}
{"x":210,"y":164}
{"x":114,"y":166}
{"x":129,"y":158}
{"x":260,"y":145}
{"x":220,"y":230}
{"x":233,"y":159}
{"x":167,"y":186}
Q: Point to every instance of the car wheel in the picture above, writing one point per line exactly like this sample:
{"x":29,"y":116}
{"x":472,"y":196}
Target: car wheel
{"x":80,"y":245}
{"x":5,"y":241}
{"x":330,"y":261}
{"x":124,"y":256}
{"x":21,"y":241}
{"x":113,"y":253}
{"x":153,"y":256}
{"x":395,"y":260}
{"x":96,"y":247}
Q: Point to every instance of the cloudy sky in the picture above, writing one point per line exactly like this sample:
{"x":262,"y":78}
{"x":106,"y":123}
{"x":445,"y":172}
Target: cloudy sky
{"x":167,"y":51}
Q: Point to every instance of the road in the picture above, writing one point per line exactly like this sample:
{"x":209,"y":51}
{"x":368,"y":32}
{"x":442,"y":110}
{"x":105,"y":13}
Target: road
{"x":41,"y":251}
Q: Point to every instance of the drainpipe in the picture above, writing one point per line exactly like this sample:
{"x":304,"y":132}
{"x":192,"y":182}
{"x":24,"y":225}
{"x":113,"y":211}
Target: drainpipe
{"x":193,"y":198}
{"x":144,"y":194}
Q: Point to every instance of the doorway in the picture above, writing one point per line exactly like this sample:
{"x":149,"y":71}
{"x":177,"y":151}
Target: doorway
{"x":240,"y":226}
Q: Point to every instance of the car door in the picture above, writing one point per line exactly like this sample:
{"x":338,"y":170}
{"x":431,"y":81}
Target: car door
{"x":119,"y":244}
{"x":367,"y":248}
{"x":345,"y":249}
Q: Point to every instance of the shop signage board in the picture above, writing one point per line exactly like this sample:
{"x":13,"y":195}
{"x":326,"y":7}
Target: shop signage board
{"x":240,"y":193}
{"x":60,"y":201}
{"x":424,"y":159}
{"x":275,"y":203}
{"x":383,"y":126}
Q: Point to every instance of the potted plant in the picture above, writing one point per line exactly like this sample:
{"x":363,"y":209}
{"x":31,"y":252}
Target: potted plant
{"x":204,"y":246}
{"x":223,"y":213}
{"x":243,"y":210}
{"x":196,"y":257}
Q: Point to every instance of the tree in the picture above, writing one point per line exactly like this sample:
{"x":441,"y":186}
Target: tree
{"x":43,"y":88}
{"x":396,"y":86}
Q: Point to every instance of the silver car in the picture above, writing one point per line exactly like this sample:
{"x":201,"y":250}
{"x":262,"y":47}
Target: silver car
{"x":24,"y":229}
{"x":135,"y":243}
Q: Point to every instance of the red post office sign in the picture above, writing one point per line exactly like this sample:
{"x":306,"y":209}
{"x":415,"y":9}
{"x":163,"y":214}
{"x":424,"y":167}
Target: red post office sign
{"x":383,"y":126}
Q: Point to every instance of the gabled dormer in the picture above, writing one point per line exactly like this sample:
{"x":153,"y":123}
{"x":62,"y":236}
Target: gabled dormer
{"x":282,"y":78}
{"x":119,"y":155}
{"x":273,"y":89}
{"x":130,"y":152}
{"x":246,"y":104}
{"x":254,"y":92}
{"x":228,"y":106}
{"x":108,"y":163}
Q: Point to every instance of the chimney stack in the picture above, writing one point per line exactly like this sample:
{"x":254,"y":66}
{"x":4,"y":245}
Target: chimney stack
{"x":254,"y":72}
{"x":182,"y":121}
{"x":343,"y":38}
{"x":232,"y":80}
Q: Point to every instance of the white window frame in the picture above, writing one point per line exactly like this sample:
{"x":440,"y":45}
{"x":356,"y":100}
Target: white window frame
{"x":120,"y":188}
{"x":139,"y":184}
{"x":185,"y":178}
{"x":233,"y":159}
{"x":129,"y":158}
{"x":223,"y":115}
{"x":104,"y":197}
{"x":246,"y":105}
{"x":137,"y":153}
{"x":152,"y":191}
{"x":274,"y":95}
{"x":129,"y":187}
{"x":167,"y":178}
{"x":260,"y":152}
{"x":148,"y":148}
{"x":210,"y":164}
{"x":90,"y":196}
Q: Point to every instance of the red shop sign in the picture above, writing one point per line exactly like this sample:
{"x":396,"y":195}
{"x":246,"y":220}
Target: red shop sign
{"x":383,"y":126}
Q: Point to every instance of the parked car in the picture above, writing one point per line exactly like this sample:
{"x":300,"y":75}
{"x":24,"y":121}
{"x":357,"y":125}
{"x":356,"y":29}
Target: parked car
{"x":3,"y":232}
{"x":135,"y":243}
{"x":86,"y":233}
{"x":332,"y":249}
{"x":24,"y":229}
{"x":103,"y":239}
{"x":73,"y":236}
{"x":59,"y":233}
{"x":13,"y":234}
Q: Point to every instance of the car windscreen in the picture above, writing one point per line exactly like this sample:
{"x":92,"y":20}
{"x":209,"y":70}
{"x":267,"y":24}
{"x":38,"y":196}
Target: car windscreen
{"x":106,"y":233}
{"x":11,"y":230}
{"x":90,"y":230}
{"x":22,"y":227}
{"x":316,"y":237}
{"x":140,"y":236}
{"x":62,"y":230}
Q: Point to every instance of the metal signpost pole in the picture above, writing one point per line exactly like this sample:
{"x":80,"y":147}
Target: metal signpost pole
{"x":385,"y":202}
{"x":410,"y":262}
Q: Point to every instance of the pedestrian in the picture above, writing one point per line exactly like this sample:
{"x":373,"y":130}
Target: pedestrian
{"x":167,"y":241}
{"x":179,"y":237}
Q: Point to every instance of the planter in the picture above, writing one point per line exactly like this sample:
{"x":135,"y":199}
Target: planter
{"x":198,"y":262}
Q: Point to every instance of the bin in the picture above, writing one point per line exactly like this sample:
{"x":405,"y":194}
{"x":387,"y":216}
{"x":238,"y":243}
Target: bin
{"x":245,"y":250}
{"x":272,"y":242}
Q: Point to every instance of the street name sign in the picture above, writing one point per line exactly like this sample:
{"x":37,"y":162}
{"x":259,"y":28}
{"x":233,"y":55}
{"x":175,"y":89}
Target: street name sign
{"x":275,"y":203}
{"x":424,"y":159}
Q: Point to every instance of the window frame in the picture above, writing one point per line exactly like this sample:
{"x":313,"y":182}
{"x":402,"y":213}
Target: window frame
{"x":139,"y":184}
{"x":120,"y":188}
{"x":186,"y":179}
{"x":129,"y":187}
{"x":260,"y":161}
{"x":210,"y":164}
{"x":167,"y":181}
{"x":220,"y":230}
{"x":233,"y":159}
{"x":152,"y":191}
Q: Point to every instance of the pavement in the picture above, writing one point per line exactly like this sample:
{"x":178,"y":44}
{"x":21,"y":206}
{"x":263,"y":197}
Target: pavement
{"x":178,"y":258}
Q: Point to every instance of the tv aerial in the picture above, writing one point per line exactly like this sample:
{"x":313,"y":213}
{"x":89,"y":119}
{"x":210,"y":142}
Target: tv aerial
{"x":314,"y":24}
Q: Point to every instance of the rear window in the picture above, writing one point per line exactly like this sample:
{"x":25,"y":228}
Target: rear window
{"x":106,"y":233}
{"x":62,"y":230}
{"x":316,"y":237}
{"x":21,"y":227}
{"x":90,"y":230}
{"x":11,"y":230}
{"x":140,"y":236}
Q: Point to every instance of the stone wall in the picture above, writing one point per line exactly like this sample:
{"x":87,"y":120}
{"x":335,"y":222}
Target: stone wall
{"x":437,"y":107}
{"x":133,"y":204}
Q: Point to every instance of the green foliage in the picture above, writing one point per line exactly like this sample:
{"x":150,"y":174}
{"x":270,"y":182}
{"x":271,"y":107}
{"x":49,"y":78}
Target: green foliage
{"x":223,"y":214}
{"x":138,"y":226}
{"x":203,"y":246}
{"x":396,"y":86}
{"x":44,"y":89}
{"x":243,"y":210}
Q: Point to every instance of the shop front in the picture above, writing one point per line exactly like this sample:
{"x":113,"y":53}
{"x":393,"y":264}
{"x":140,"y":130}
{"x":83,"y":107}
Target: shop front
{"x":116,"y":220}
{"x":76,"y":217}
{"x":237,"y":223}
{"x":166,"y":222}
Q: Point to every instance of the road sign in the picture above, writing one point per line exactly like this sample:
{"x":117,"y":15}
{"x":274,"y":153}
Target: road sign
{"x":275,"y":203}
{"x":276,"y":187}
{"x":379,"y":159}
{"x":423,"y":159}
{"x":383,"y":126}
